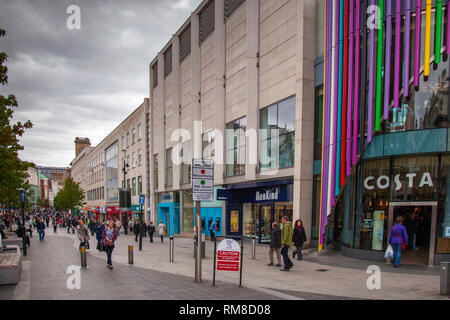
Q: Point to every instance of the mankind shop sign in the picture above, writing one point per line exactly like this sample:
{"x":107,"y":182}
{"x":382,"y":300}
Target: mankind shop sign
{"x":383,"y":182}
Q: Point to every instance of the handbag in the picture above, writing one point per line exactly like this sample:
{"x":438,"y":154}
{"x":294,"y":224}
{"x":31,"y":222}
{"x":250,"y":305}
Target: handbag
{"x":403,"y":244}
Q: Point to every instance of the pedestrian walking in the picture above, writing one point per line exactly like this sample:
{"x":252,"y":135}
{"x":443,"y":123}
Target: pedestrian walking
{"x":136,"y":230}
{"x":30,"y":227}
{"x":55,"y":225}
{"x":47,"y":220}
{"x":286,"y":241}
{"x":83,"y":234}
{"x":130,"y":225}
{"x":41,"y":229}
{"x":161,"y":230}
{"x":298,"y":239}
{"x":275,"y":244}
{"x":109,"y":236}
{"x":151,"y":230}
{"x":143,"y":229}
{"x":398,"y":240}
{"x":98,"y":229}
{"x":119,"y":226}
{"x":212,"y":230}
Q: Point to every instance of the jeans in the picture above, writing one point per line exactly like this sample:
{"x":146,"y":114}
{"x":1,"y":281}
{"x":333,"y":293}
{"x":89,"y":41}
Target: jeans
{"x":298,"y":252}
{"x":41,"y":235}
{"x":285,"y":253}
{"x":109,"y":251}
{"x":278,"y":251}
{"x":162,"y":238}
{"x":151,"y":237}
{"x":397,"y":253}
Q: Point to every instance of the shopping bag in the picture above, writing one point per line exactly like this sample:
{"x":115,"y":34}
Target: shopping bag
{"x":389,"y":252}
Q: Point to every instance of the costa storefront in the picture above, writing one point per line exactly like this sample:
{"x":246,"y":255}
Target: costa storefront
{"x":382,"y":134}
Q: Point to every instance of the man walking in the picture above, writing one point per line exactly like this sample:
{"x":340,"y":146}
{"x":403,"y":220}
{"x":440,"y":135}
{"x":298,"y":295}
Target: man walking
{"x":151,"y":231}
{"x":275,"y":244}
{"x":286,"y":240}
{"x":41,"y":229}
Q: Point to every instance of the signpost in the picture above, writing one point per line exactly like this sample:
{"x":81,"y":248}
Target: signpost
{"x":202,"y":190}
{"x":141,"y":202}
{"x":23,"y":199}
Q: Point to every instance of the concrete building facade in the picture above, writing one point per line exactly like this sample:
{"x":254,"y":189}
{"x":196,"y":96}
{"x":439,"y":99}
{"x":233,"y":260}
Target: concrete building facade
{"x":236,"y":65}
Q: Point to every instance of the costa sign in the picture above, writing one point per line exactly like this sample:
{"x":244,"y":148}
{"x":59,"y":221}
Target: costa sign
{"x":384,"y":182}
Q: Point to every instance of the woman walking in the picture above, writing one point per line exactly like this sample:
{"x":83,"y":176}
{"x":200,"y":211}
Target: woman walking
{"x":109,"y":236}
{"x":83,"y":234}
{"x":55,"y":225}
{"x":298,"y":239}
{"x":161,"y":229}
{"x":398,"y":240}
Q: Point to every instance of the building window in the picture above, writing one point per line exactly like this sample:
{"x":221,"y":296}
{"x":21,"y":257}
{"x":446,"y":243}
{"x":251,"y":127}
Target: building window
{"x":185,"y":44}
{"x":155,"y":74}
{"x":186,"y":166}
{"x":207,"y":21}
{"x":139,"y":130}
{"x":208,"y":145}
{"x":140,"y":157}
{"x":123,"y":184}
{"x":231,"y":6}
{"x":133,"y":190}
{"x":318,"y":123}
{"x":155,"y":171}
{"x":128,"y":184}
{"x":236,"y":147}
{"x":112,"y":182}
{"x":128,"y":139}
{"x":169,"y":171}
{"x":168,"y":62}
{"x":140,"y":185}
{"x":133,"y":135}
{"x":133,"y":159}
{"x":277,"y":150}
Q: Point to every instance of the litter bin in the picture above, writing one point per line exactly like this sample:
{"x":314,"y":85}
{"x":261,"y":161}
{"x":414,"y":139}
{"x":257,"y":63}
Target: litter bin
{"x":445,"y":279}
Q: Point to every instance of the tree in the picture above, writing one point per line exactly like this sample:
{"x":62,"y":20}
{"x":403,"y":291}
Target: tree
{"x":13,"y":171}
{"x":43,"y":203}
{"x":70,"y":197}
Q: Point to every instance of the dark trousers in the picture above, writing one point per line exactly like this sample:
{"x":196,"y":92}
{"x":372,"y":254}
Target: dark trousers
{"x":213,"y":235}
{"x":285,"y":253}
{"x":299,"y":253}
{"x":151,"y":236}
{"x":162,"y":238}
{"x":109,"y":251}
{"x":137,"y":235}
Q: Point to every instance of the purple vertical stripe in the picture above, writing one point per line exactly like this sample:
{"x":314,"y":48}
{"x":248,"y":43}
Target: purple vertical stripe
{"x":398,"y":18}
{"x":407,"y":48}
{"x":333,"y":169}
{"x":356,"y":95}
{"x":350,"y":88}
{"x":417,"y":43}
{"x":448,"y":29}
{"x":371,"y":84}
{"x":387,"y":79}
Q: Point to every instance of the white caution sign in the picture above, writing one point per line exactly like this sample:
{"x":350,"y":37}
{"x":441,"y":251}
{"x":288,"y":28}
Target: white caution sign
{"x":203,"y":180}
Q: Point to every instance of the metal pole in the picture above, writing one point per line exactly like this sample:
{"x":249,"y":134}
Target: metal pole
{"x":140,"y":230}
{"x":215,"y":259}
{"x":24,"y":239}
{"x":198,"y":258}
{"x":242,"y":260}
{"x":130,"y":255}
{"x":254,"y":248}
{"x":171,"y":247}
{"x":83,"y":256}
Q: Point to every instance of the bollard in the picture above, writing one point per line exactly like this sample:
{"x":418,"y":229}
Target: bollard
{"x":130,"y":255}
{"x":445,"y":279}
{"x":83,"y":256}
{"x":254,"y":248}
{"x":171,"y":249}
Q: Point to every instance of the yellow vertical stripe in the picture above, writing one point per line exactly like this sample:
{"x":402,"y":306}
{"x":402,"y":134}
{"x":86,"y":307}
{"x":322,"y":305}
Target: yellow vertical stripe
{"x":426,"y":61}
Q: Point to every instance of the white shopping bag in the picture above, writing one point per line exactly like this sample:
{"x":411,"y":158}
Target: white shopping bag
{"x":389,"y":252}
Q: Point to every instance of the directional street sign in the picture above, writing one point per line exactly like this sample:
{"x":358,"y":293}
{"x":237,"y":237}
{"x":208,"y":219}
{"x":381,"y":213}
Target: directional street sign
{"x":203,"y":180}
{"x":23,"y":196}
{"x":142,"y":199}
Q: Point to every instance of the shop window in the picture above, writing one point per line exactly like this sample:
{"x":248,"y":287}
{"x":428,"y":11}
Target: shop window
{"x":250,"y":219}
{"x":278,"y":150}
{"x":139,"y":185}
{"x":188,"y":212}
{"x":236,"y":147}
{"x":318,"y":127}
{"x":208,"y":145}
{"x":155,"y":172}
{"x":443,"y":219}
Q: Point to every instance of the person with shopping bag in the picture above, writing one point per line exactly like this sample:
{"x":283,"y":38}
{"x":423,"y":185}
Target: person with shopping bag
{"x":83,"y":234}
{"x":398,"y":239}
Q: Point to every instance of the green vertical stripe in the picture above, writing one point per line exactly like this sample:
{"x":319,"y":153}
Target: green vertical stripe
{"x":379,"y":68}
{"x":438,"y":33}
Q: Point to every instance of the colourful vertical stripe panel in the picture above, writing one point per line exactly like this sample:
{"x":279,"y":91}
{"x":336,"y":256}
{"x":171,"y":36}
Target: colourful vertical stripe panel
{"x":398,"y":20}
{"x":438,"y":33}
{"x":387,"y":69}
{"x":417,"y":41}
{"x":350,"y":88}
{"x":357,"y":76}
{"x":407,"y":50}
{"x":379,"y":67}
{"x":448,"y":29}
{"x":339,"y":105}
{"x":426,"y":61}
{"x":371,"y":81}
{"x":336,"y":102}
{"x":344,"y":98}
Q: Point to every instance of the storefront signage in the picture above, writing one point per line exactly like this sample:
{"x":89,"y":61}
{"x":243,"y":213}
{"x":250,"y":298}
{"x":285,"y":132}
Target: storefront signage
{"x":222,"y":194}
{"x":228,"y":255}
{"x":166,"y":197}
{"x":267,"y":195}
{"x":384,"y":182}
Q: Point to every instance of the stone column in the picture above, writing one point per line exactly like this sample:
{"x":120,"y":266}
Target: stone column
{"x":176,"y":91}
{"x":161,"y":116}
{"x":196,"y":146}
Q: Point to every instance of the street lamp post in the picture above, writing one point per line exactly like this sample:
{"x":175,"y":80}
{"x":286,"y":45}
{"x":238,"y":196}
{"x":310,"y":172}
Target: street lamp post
{"x":125,"y":216}
{"x":24,"y":236}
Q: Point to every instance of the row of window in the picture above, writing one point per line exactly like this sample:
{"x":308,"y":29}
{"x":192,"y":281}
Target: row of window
{"x":97,"y":176}
{"x":277,"y":145}
{"x":96,"y":194}
{"x":135,"y":189}
{"x":131,"y":139}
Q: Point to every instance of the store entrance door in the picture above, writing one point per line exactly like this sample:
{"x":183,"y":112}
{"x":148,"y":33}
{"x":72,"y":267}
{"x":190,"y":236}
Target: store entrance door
{"x":265,"y":223}
{"x":419,"y":220}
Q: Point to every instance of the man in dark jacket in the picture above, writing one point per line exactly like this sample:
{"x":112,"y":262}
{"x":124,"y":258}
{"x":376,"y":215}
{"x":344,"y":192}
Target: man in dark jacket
{"x":275,"y":244}
{"x":298,"y":239}
{"x":151,"y":231}
{"x":98,"y":229}
{"x":41,"y":229}
{"x":136,"y":230}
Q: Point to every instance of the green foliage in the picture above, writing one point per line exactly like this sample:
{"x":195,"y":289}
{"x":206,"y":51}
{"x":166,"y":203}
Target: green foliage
{"x":70,"y":197}
{"x":13,"y":171}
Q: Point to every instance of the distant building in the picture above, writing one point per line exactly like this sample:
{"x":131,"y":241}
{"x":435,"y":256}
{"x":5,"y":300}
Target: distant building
{"x":80,"y":144}
{"x":35,"y":185}
{"x":58,"y":174}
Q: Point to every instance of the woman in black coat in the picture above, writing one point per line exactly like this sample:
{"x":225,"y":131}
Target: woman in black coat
{"x":298,"y":239}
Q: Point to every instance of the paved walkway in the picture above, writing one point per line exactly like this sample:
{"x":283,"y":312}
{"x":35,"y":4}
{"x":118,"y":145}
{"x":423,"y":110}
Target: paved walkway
{"x":328,"y":276}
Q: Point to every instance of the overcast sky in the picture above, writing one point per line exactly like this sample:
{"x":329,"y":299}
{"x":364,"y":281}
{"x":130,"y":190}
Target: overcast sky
{"x":81,"y":83}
